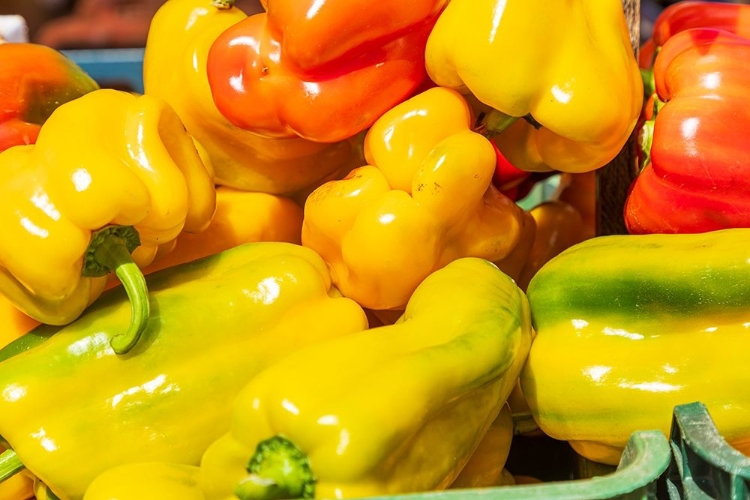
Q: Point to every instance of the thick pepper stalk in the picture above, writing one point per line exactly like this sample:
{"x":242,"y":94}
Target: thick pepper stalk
{"x":34,"y":81}
{"x":110,"y":174}
{"x":425,"y":199}
{"x":174,"y":69}
{"x":390,"y":410}
{"x":664,"y":323}
{"x":567,"y":68}
{"x":170,"y":399}
{"x":694,"y":178}
{"x":323,"y":70}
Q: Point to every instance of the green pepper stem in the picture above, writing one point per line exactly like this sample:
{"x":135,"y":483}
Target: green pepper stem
{"x":649,"y":84}
{"x":222,"y":4}
{"x":646,"y":140}
{"x":9,"y":464}
{"x":496,"y":122}
{"x":109,"y":251}
{"x":278,"y":470}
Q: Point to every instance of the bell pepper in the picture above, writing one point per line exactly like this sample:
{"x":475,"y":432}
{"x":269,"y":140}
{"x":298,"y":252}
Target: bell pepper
{"x":558,"y":226}
{"x":390,"y":410}
{"x":425,"y":198}
{"x":110,"y":174}
{"x":485,"y":468}
{"x":147,"y":481}
{"x":323,"y":70}
{"x":217,"y":322}
{"x":567,"y":68}
{"x":681,"y":16}
{"x":694,"y":180}
{"x":240,"y":217}
{"x":35,"y":80}
{"x":174,"y":69}
{"x":18,"y":487}
{"x":664,"y":322}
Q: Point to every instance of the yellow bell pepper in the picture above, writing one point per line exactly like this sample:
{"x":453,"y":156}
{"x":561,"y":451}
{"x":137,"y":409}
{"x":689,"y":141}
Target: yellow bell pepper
{"x":18,"y":487}
{"x":174,"y":68}
{"x":486,"y":467}
{"x":110,"y":174}
{"x":389,"y":410}
{"x":73,"y":409}
{"x":240,"y":217}
{"x":568,"y":68}
{"x":425,"y":199}
{"x":147,"y":481}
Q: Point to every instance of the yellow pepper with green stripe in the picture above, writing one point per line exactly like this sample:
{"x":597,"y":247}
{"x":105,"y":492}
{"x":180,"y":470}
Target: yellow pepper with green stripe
{"x":628,"y":327}
{"x":567,"y":68}
{"x":393,"y":409}
{"x":110,"y":174}
{"x":73,"y":409}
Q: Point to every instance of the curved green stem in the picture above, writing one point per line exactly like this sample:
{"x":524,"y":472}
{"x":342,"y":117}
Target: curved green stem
{"x":649,"y":84}
{"x":9,"y":464}
{"x":646,"y":140}
{"x":109,"y":251}
{"x":278,"y":470}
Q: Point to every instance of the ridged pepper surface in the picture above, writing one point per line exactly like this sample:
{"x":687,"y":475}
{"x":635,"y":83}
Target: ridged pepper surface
{"x":393,"y":409}
{"x":695,"y":178}
{"x":323,"y":70}
{"x":425,"y":199}
{"x":110,"y":174}
{"x":174,"y":69}
{"x":630,"y":326}
{"x":72,"y":408}
{"x":34,"y":81}
{"x":567,"y":68}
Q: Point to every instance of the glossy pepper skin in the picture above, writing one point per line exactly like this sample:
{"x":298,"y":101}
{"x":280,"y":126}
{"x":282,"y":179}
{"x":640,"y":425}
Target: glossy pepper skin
{"x":110,"y":174}
{"x":695,"y":180}
{"x":174,"y":69}
{"x":448,"y":365}
{"x":485,"y":468}
{"x":240,"y":217}
{"x":664,"y":323}
{"x":273,"y":298}
{"x":147,"y":481}
{"x":568,"y":65}
{"x":323,"y":70}
{"x":34,"y":81}
{"x":681,"y":16}
{"x":424,"y":199}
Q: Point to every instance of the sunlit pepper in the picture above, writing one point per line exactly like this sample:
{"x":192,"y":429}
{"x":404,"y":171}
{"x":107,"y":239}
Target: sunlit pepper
{"x":174,"y":69}
{"x":34,"y":81}
{"x":567,"y":67}
{"x":240,"y":217}
{"x":147,"y":481}
{"x":76,"y":409}
{"x":324,"y":70}
{"x":695,"y":178}
{"x":110,"y":174}
{"x":426,"y":198}
{"x":390,"y":410}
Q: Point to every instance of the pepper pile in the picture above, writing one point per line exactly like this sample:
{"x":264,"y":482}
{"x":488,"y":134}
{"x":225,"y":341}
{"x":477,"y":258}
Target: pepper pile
{"x":298,"y":266}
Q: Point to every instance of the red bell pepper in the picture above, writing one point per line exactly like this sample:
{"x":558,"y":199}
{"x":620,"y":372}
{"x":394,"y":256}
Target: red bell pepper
{"x":323,"y":70}
{"x":698,"y":176}
{"x":686,"y":15}
{"x":34,"y":81}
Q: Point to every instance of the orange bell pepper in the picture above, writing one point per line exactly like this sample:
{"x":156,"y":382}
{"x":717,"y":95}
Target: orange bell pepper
{"x":34,"y":81}
{"x":323,"y":70}
{"x":425,"y":199}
